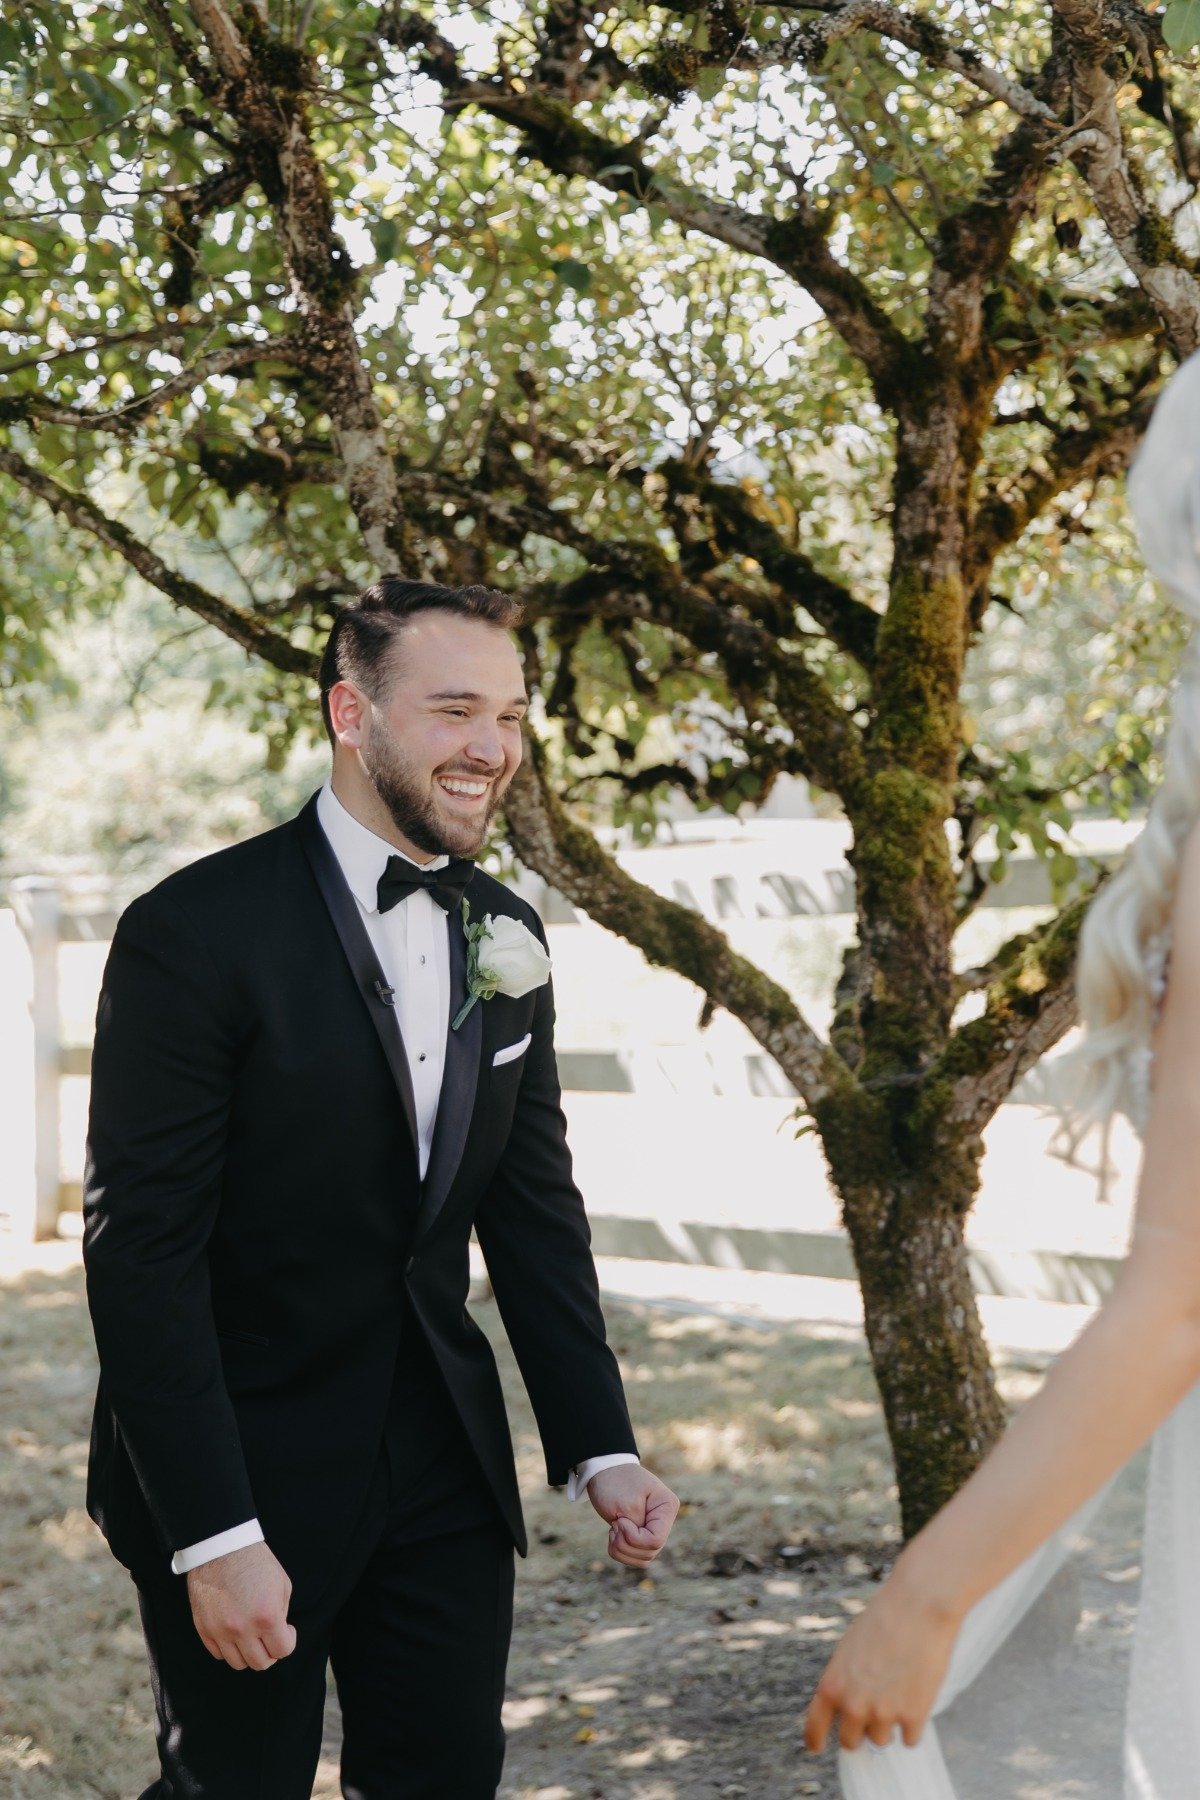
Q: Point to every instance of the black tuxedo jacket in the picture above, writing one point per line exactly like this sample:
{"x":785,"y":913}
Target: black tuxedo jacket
{"x":256,"y":1230}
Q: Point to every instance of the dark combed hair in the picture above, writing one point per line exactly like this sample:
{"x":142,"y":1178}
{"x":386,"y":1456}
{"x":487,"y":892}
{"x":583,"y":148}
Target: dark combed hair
{"x":362,"y":640}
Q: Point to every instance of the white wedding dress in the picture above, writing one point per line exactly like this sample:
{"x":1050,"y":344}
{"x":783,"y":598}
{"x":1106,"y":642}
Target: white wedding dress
{"x":1098,"y":1696}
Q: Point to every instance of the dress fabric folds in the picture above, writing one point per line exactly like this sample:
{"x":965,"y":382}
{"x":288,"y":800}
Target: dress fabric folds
{"x":1078,"y":1677}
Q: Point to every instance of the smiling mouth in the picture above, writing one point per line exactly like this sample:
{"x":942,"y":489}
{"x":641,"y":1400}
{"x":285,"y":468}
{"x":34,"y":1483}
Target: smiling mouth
{"x":462,"y":787}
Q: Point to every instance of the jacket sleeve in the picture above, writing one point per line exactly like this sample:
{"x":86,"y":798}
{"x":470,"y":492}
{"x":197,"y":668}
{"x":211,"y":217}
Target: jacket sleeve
{"x":534,"y":1235}
{"x":163,"y":1067}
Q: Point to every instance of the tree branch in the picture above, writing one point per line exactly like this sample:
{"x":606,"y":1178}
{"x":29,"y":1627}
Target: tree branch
{"x":1105,"y":446}
{"x":974,"y":242}
{"x":850,"y":624}
{"x":562,"y":143}
{"x":186,"y":53}
{"x":1127,"y":315}
{"x":186,"y":213}
{"x":507,"y":520}
{"x":568,"y":62}
{"x":567,"y":856}
{"x":124,"y":417}
{"x":82,"y":513}
{"x":936,"y":46}
{"x":983,"y":975}
{"x":273,"y":130}
{"x":638,"y":583}
{"x":1096,"y":32}
{"x":1029,"y":1008}
{"x":140,"y":334}
{"x":737,"y":529}
{"x":1159,"y":103}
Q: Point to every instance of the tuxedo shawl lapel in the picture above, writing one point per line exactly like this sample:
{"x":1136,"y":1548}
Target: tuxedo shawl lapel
{"x":360,"y":954}
{"x":460,"y":1078}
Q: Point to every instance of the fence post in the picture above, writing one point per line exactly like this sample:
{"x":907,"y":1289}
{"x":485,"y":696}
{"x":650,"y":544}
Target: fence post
{"x":42,"y":905}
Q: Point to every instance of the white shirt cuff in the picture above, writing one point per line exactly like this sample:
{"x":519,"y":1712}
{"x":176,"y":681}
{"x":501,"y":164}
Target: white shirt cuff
{"x":582,"y":1473}
{"x":223,"y":1544}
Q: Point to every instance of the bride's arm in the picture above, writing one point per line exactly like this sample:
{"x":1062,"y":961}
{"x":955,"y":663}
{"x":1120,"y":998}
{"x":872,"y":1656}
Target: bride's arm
{"x":1100,"y":1401}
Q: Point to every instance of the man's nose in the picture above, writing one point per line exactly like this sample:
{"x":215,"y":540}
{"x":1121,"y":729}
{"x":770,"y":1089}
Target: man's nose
{"x":486,"y":746}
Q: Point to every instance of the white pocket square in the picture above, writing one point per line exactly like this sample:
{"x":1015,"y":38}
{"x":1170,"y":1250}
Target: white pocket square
{"x":511,"y":1053}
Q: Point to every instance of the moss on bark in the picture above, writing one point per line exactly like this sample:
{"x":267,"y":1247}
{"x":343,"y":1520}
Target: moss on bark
{"x":905,"y":1193}
{"x":1154,"y":239}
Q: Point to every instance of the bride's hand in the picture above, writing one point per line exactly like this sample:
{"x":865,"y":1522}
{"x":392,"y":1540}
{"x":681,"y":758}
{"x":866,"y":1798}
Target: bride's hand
{"x":885,"y":1673}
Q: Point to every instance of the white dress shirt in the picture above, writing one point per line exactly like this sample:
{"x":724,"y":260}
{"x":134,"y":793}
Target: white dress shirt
{"x":412,"y":943}
{"x":413,"y":946}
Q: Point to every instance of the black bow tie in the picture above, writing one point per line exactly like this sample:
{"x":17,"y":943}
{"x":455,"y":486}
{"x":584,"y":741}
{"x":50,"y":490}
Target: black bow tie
{"x":401,"y":878}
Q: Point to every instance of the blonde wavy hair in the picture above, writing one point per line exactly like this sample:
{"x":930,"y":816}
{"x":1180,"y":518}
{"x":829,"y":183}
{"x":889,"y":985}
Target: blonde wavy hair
{"x":1124,"y":942}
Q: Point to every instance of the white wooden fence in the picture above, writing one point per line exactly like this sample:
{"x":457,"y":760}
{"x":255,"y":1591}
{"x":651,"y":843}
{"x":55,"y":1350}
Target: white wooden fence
{"x":33,"y":1054}
{"x":683,"y":1140}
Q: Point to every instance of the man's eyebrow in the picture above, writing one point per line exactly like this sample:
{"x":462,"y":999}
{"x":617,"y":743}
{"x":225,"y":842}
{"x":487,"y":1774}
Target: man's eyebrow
{"x":463,"y":694}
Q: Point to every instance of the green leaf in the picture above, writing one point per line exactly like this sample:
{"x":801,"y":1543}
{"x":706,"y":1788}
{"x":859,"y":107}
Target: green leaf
{"x":385,"y":235}
{"x":573,"y":273}
{"x":100,"y":95}
{"x":1181,"y":25}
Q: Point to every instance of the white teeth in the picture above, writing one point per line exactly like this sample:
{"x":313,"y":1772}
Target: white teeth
{"x":471,"y":790}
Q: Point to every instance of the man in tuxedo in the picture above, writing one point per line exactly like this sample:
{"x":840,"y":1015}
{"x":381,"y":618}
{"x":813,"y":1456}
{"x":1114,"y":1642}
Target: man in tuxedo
{"x":300,"y":1449}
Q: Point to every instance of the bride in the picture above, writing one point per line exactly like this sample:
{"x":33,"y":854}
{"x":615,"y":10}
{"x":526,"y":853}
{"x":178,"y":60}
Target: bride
{"x":962,"y":1585}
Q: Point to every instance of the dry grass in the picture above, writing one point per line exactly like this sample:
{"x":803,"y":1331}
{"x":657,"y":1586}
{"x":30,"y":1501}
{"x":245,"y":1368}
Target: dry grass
{"x":690,"y":1684}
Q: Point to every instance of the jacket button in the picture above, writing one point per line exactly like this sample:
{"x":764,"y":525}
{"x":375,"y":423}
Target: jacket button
{"x":410,"y":1265}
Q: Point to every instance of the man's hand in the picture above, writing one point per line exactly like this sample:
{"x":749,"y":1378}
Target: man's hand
{"x":239,"y":1606}
{"x":640,"y":1510}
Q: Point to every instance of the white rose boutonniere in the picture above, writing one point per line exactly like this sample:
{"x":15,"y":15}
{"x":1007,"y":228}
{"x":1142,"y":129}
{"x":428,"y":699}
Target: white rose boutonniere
{"x":503,"y":957}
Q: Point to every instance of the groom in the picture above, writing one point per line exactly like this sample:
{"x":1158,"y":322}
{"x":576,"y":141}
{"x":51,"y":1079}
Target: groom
{"x":300,"y":1448}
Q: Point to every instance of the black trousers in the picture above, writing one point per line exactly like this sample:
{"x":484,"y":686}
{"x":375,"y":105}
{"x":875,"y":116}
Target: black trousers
{"x":415,"y":1624}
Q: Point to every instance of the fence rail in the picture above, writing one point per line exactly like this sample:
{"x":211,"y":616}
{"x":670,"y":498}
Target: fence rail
{"x":48,"y":916}
{"x":734,"y":885}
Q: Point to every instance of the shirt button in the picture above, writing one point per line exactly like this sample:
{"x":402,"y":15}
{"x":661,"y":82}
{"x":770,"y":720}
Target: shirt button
{"x":421,"y":1058}
{"x":422,"y":962}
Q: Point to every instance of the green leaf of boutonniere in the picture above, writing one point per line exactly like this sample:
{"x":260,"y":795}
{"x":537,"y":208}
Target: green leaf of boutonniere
{"x":481,"y":982}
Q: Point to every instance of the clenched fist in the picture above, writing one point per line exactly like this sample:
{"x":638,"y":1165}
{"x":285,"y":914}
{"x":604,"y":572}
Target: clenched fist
{"x":640,"y":1510}
{"x":239,"y":1606}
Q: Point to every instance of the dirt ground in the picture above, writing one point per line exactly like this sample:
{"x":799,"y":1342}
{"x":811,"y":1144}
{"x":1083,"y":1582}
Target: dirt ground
{"x":684,"y":1686}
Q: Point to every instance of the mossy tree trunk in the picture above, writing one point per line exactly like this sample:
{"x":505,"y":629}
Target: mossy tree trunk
{"x":907,"y":1174}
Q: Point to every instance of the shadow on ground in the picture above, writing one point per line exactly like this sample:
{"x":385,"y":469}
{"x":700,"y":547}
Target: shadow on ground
{"x":691,"y":1683}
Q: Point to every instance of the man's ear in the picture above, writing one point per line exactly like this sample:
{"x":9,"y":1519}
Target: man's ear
{"x":347,"y":714}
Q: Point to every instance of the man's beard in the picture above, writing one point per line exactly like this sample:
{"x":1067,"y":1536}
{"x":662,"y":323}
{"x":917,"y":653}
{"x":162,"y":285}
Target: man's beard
{"x":411,"y":804}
